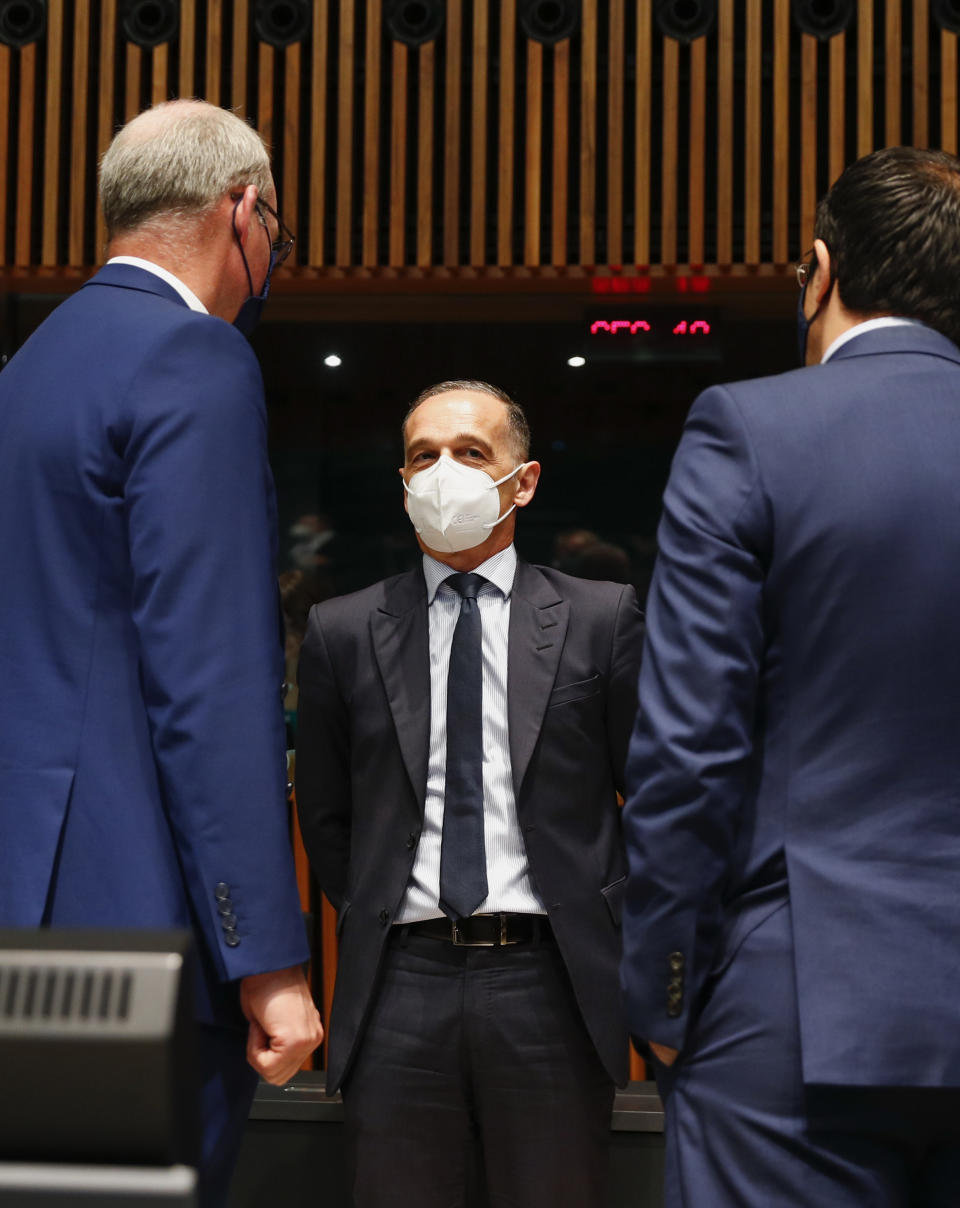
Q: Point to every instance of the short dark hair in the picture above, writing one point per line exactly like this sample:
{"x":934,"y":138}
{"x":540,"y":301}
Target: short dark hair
{"x":517,"y":424}
{"x":891,"y":223}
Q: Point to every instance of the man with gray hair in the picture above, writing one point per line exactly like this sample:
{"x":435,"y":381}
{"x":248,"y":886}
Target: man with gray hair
{"x":141,"y":734}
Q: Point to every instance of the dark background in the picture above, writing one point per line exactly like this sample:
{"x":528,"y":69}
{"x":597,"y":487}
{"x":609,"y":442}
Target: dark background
{"x":605,"y":432}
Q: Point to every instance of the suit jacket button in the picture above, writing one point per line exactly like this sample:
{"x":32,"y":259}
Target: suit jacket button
{"x":673,"y":1010}
{"x":222,"y":891}
{"x":676,"y":961}
{"x":231,"y":939}
{"x":411,"y":840}
{"x":384,"y":917}
{"x":229,"y":922}
{"x":224,"y":906}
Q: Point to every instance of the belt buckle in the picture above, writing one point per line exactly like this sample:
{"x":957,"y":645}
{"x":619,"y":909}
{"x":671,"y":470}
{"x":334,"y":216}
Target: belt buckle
{"x":458,"y":938}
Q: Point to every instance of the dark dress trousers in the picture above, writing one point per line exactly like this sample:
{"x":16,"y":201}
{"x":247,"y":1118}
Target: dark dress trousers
{"x":142,"y":775}
{"x":793,"y":821}
{"x":362,"y":758}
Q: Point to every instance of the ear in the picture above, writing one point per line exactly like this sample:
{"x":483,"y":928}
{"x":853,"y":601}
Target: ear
{"x":245,"y":215}
{"x":405,"y":508}
{"x":822,"y":277}
{"x":527,"y":480}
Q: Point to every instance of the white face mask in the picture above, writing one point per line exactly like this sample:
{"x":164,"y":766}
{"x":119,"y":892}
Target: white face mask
{"x":453,"y":507}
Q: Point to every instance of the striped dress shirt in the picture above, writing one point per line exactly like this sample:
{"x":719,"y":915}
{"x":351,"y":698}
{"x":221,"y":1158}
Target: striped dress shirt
{"x":508,"y":871}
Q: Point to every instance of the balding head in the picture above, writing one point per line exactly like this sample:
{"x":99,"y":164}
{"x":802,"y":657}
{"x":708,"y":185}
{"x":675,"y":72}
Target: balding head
{"x":178,"y":160}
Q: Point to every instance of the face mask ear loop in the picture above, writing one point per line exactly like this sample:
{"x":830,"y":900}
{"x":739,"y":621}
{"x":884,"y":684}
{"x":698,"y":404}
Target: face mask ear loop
{"x":511,"y":474}
{"x":236,"y":235}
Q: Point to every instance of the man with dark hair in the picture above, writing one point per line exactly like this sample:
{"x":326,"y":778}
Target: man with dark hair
{"x":790,"y":929}
{"x":461,"y":737}
{"x":142,"y":774}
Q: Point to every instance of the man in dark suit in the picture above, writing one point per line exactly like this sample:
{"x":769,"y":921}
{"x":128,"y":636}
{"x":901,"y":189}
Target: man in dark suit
{"x":790,"y":932}
{"x":142,"y":776}
{"x":466,"y":827}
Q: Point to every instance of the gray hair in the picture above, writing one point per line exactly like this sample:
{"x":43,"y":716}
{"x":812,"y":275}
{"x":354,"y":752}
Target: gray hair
{"x":517,"y":426}
{"x":178,"y":159}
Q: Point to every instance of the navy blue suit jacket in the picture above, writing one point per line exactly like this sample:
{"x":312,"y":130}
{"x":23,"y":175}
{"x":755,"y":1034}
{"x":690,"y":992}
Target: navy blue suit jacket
{"x":799,"y":728}
{"x":141,"y":733}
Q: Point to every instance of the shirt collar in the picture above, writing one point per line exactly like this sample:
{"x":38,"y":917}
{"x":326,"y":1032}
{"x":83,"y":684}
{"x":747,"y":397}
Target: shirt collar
{"x":867,"y":325}
{"x":185,"y":292}
{"x":499,"y":569}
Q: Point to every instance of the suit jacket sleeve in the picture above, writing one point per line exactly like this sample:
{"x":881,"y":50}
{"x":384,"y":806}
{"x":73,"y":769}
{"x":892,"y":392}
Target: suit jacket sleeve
{"x":693,"y":739}
{"x":324,"y":794}
{"x":199,"y":499}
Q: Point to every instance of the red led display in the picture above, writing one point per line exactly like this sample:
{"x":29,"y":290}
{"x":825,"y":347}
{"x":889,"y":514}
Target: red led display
{"x":630,"y":327}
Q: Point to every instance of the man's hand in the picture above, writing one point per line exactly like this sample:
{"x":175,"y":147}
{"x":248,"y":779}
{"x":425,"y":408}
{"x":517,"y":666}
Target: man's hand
{"x":285,"y":1026}
{"x":664,"y":1055}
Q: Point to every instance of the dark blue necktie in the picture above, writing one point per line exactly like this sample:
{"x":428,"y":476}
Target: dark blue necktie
{"x":463,"y":865}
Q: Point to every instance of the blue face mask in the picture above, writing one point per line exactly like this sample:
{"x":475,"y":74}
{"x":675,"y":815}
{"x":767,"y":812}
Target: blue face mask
{"x":248,"y":316}
{"x":803,"y":323}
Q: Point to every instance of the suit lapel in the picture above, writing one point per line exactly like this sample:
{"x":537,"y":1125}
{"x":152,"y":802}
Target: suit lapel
{"x":402,"y":649}
{"x":538,"y":627}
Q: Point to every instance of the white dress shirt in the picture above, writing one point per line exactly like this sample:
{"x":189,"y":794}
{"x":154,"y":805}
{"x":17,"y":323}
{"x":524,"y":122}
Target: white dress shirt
{"x":867,"y":325}
{"x":509,"y":887}
{"x":185,"y":292}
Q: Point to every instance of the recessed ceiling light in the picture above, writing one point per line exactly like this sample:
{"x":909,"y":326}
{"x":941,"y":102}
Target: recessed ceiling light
{"x":576,"y":362}
{"x":332,"y":360}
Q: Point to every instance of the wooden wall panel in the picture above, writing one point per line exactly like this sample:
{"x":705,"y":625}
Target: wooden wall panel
{"x":619,"y":148}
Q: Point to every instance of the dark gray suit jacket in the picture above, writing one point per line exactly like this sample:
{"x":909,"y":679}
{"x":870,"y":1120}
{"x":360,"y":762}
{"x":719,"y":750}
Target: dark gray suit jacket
{"x":363,"y":744}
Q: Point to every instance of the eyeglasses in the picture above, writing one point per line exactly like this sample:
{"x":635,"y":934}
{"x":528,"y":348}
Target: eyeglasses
{"x":805,"y":268}
{"x":282,"y":246}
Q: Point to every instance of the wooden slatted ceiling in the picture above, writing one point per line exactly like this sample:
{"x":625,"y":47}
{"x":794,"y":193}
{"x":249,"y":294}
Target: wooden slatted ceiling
{"x":485,"y":148}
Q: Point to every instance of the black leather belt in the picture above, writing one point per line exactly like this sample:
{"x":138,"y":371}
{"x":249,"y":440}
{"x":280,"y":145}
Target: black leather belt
{"x":483,"y":930}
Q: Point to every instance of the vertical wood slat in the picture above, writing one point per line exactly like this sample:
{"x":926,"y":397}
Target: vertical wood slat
{"x":560,"y":194}
{"x":51,"y":139}
{"x":948,"y":95}
{"x":78,"y":134}
{"x":505,"y":141}
{"x":398,"y":153}
{"x":289,"y":200}
{"x":837,"y":152}
{"x":865,"y":78}
{"x":345,"y":131}
{"x":301,"y":866}
{"x":615,"y":91}
{"x":725,"y":37}
{"x":696,"y":208}
{"x":668,"y":191}
{"x":752,"y":133}
{"x":160,"y":65}
{"x":892,"y":47}
{"x":134,"y":56}
{"x":478,"y":135}
{"x":6,"y":100}
{"x":534,"y":149}
{"x":25,"y":131}
{"x":108,"y":35}
{"x":188,"y":47}
{"x":213,"y":76}
{"x":451,"y":135}
{"x":239,"y":56}
{"x":641,"y":171}
{"x":588,"y":132}
{"x":921,"y":73}
{"x":781,"y":126}
{"x":329,"y":947}
{"x":808,"y":137}
{"x":318,"y":132}
{"x":265,"y":57}
{"x":371,"y":134}
{"x":427,"y":54}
